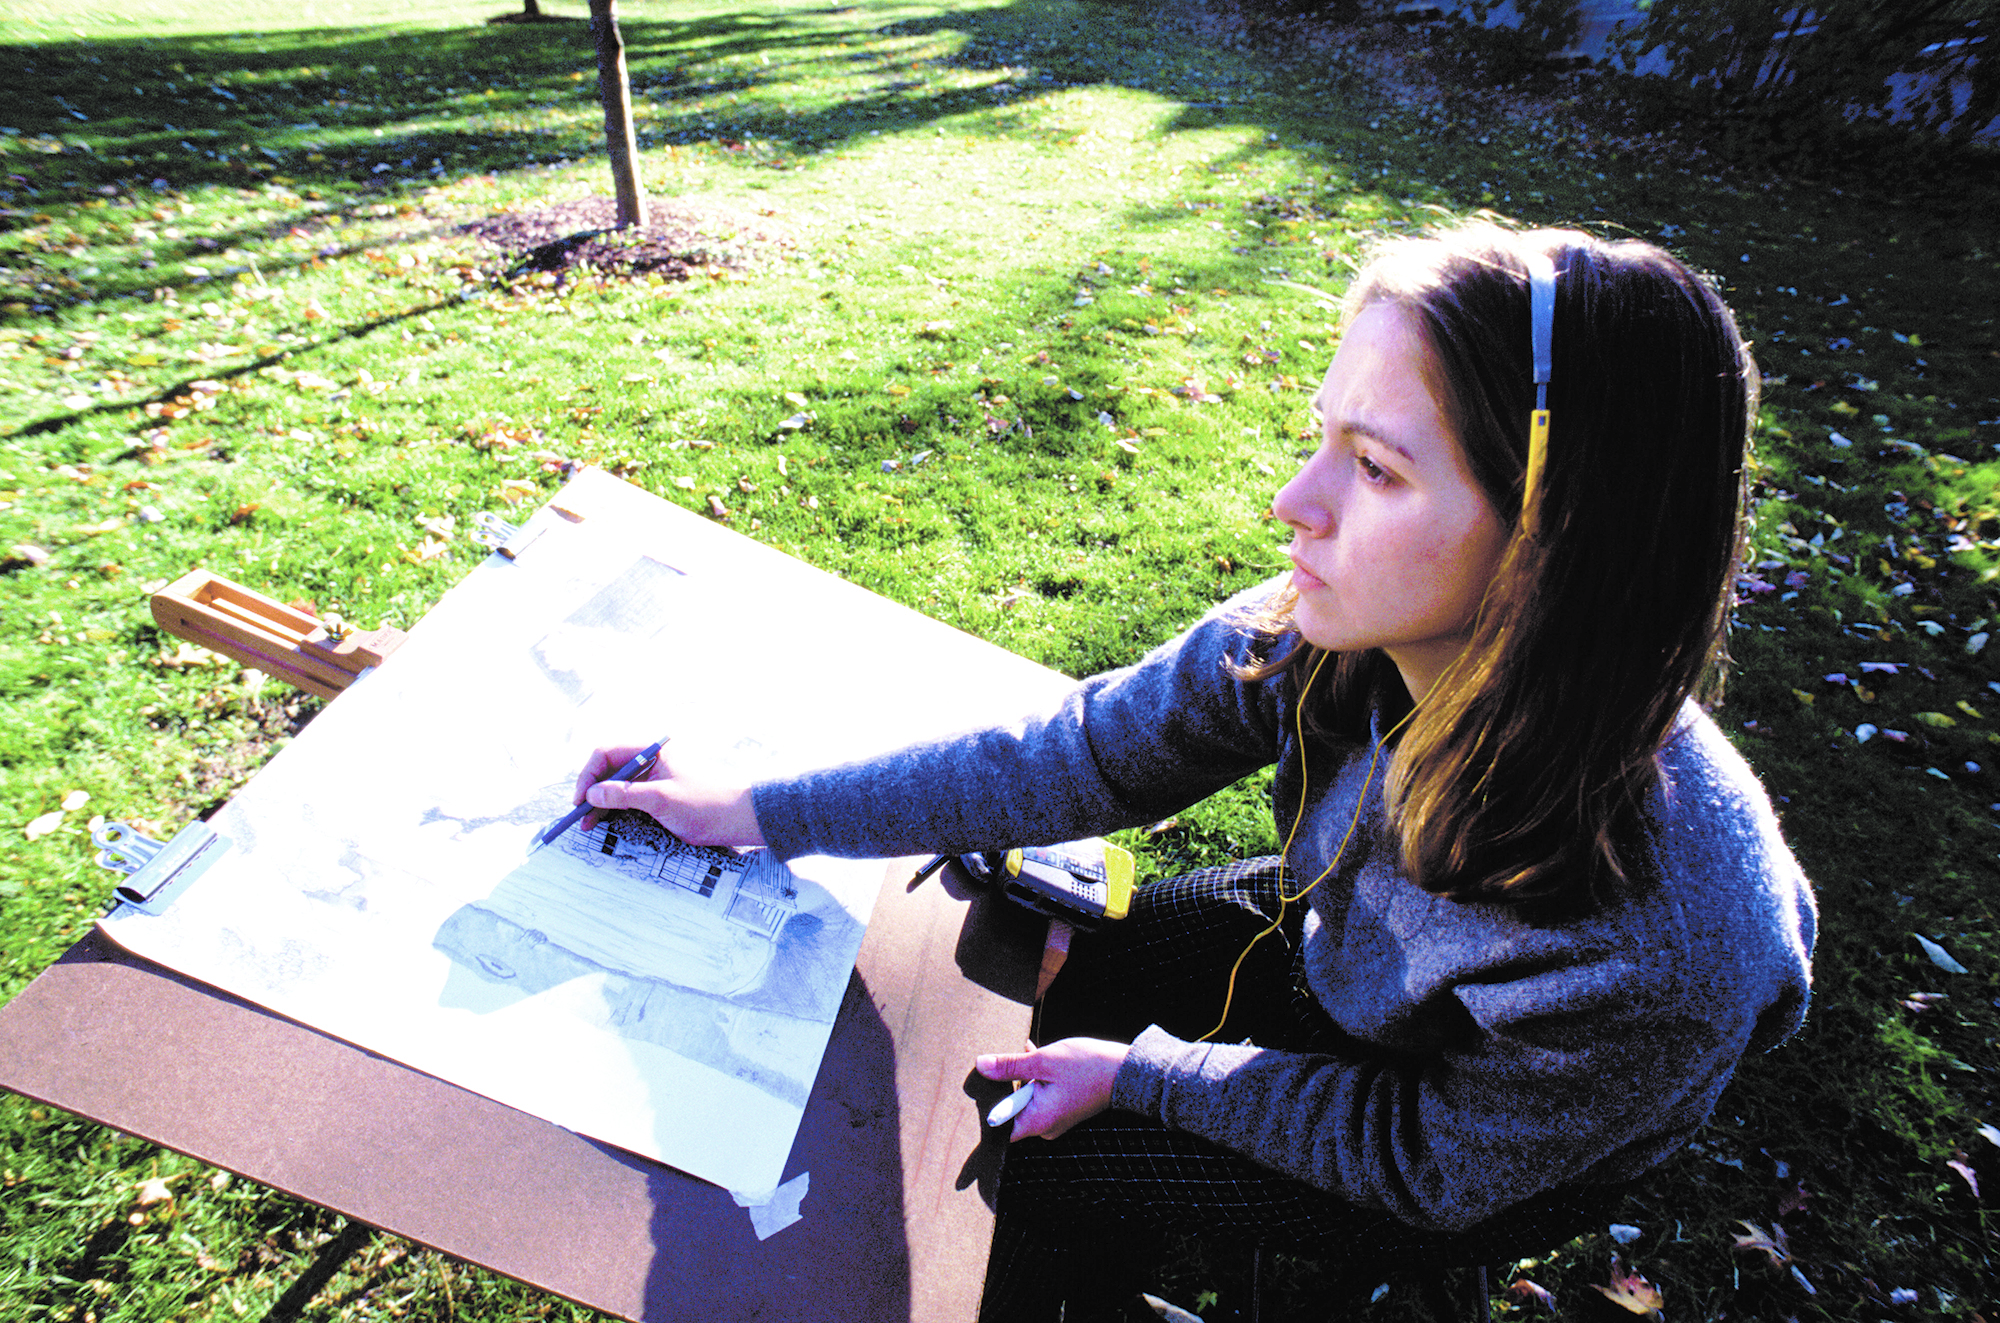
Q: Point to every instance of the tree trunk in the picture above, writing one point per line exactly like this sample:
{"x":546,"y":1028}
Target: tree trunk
{"x":531,"y":8}
{"x":616,"y":90}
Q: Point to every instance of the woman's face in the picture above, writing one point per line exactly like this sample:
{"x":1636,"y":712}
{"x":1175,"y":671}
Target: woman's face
{"x":1393,"y":542}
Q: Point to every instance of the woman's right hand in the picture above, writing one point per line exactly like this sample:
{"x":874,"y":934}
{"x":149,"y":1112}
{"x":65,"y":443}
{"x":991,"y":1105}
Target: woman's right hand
{"x":701,"y":810}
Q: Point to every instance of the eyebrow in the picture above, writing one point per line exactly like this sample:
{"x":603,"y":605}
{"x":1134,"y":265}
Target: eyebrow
{"x":1362,"y":427}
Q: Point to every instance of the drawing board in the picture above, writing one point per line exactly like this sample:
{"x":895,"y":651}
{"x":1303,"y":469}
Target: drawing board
{"x":378,"y":886}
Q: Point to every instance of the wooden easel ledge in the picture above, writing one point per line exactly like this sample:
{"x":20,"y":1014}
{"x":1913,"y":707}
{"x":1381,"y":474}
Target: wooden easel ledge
{"x":281,"y":641}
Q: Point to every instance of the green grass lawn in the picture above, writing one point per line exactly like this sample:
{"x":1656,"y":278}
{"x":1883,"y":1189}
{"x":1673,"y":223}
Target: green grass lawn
{"x":999,"y":335}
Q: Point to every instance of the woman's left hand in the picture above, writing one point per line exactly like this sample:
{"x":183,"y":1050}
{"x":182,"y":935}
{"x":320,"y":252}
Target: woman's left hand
{"x":1072,"y":1082}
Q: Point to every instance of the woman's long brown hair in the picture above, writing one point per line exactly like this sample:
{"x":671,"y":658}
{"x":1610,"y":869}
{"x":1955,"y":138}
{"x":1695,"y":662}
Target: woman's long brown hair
{"x":1524,"y":774}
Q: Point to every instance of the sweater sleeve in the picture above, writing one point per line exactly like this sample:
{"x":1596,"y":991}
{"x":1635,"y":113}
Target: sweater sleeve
{"x":1121,"y":749}
{"x":1548,"y":1083}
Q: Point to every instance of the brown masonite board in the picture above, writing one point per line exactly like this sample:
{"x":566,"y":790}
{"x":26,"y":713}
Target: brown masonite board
{"x":896,"y":1222}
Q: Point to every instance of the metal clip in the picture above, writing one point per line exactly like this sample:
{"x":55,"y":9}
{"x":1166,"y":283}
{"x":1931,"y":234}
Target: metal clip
{"x":122,"y":849}
{"x":489,"y":530}
{"x":159,"y":872}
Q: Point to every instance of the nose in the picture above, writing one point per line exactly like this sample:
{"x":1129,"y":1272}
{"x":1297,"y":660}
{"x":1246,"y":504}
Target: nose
{"x":1305,"y":503}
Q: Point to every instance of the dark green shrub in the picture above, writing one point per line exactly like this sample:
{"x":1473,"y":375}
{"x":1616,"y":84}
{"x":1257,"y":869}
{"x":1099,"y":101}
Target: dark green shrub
{"x":1326,"y":11}
{"x":1800,"y":78}
{"x":1503,"y":53}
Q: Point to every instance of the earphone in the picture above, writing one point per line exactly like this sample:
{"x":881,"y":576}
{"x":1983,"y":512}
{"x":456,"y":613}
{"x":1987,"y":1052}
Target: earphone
{"x":1541,"y":335}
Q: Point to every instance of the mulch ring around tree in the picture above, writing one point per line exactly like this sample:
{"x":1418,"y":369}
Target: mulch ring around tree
{"x":682,"y":236}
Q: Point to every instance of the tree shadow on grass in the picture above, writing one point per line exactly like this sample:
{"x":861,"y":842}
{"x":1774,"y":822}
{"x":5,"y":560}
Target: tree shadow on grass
{"x":345,"y":110}
{"x":326,"y":121}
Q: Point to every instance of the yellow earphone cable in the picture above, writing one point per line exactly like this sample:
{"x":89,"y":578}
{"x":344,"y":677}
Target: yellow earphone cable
{"x":1541,"y":333}
{"x":1285,"y":851}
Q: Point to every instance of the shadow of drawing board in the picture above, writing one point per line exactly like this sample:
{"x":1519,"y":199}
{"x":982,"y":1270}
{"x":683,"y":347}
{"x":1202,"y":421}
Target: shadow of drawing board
{"x":895,"y":1221}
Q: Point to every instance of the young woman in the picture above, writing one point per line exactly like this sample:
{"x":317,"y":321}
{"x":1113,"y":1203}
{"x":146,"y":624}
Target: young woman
{"x":1531,"y":908}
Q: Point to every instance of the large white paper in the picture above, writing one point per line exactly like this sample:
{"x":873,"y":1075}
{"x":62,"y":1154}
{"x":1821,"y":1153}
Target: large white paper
{"x":673,"y":1002}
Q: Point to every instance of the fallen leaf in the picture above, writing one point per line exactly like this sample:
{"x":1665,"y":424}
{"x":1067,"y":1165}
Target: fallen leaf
{"x":500,"y":436}
{"x":188,"y":654}
{"x":716,"y":509}
{"x":1524,"y":1292}
{"x":43,"y":825}
{"x":1939,"y":956}
{"x":75,"y":800}
{"x":1171,"y":1313}
{"x":154,"y":1191}
{"x":427,"y":550}
{"x":1960,"y":1164}
{"x":1631,"y":1291}
{"x":1757,"y":1240}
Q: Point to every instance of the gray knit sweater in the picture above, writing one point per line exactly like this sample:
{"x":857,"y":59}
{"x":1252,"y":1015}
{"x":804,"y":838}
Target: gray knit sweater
{"x":1490,"y":1058}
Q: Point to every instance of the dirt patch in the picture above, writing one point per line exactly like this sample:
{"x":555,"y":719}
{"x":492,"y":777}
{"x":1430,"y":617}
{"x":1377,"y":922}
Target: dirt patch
{"x":681,"y":237}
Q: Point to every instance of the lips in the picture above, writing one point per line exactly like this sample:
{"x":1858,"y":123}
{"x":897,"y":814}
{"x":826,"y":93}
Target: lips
{"x":1303,"y":579}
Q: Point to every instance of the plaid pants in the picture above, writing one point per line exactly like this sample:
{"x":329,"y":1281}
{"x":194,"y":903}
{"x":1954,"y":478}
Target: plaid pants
{"x":1086,"y":1217}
